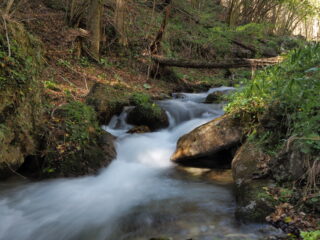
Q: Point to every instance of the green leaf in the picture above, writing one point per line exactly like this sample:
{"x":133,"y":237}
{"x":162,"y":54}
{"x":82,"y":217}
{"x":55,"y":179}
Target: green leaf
{"x":146,"y":86}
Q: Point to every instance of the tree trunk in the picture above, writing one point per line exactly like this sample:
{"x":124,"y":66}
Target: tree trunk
{"x":120,"y":23}
{"x":94,"y":27}
{"x":155,"y":47}
{"x":231,"y":63}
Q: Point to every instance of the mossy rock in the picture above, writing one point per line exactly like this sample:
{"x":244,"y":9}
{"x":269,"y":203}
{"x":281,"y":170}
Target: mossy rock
{"x":86,"y":160}
{"x":251,"y":176}
{"x":76,"y":145}
{"x":215,"y":97}
{"x":107,"y":100}
{"x":147,"y":113}
{"x":21,"y":107}
{"x":253,"y":202}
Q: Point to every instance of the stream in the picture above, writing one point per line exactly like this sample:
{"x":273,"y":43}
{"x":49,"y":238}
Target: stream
{"x":140,"y":195}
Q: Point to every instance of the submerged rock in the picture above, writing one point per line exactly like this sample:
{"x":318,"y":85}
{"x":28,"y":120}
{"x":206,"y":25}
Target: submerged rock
{"x":251,"y":175}
{"x":139,"y":129}
{"x":210,"y":145}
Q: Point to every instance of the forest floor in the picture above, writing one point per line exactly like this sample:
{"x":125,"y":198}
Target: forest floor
{"x":67,"y":76}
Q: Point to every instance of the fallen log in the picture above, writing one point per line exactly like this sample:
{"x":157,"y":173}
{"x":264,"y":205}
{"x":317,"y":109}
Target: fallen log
{"x":230,"y":63}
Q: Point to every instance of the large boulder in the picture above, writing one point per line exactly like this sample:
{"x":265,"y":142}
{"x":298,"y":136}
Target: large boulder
{"x":210,"y":145}
{"x":251,"y":175}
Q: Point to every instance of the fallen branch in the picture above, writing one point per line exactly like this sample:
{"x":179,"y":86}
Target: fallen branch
{"x":230,"y":63}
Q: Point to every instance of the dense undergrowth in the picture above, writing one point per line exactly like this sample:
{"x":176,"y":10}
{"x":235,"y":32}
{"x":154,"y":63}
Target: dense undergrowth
{"x":289,"y":92}
{"x":279,"y":110}
{"x":20,"y":56}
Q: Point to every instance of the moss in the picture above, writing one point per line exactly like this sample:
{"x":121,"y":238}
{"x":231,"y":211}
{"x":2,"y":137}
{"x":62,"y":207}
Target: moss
{"x":75,"y":143}
{"x":80,"y":121}
{"x":20,"y":104}
{"x":108,"y":100}
{"x":254,"y":203}
{"x":146,"y":105}
{"x":147,"y":113}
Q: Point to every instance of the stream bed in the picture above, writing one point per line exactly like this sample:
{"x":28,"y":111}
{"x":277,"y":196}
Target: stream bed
{"x":140,"y":195}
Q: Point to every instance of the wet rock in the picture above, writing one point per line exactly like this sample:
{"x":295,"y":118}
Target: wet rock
{"x":221,"y":176}
{"x":139,"y":129}
{"x":251,"y":176}
{"x":218,"y":96}
{"x":154,"y":120}
{"x":215,"y":97}
{"x":106,"y":142}
{"x":210,"y":145}
{"x":150,"y":115}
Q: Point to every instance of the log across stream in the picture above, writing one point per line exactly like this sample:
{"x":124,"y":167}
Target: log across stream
{"x":139,"y":196}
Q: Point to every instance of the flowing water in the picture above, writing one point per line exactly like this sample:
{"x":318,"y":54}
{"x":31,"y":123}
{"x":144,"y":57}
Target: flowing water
{"x":139,"y":196}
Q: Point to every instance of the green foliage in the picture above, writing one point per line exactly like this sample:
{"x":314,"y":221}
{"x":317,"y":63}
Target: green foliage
{"x":80,"y":120}
{"x":84,"y":62}
{"x":312,"y":235}
{"x":51,"y":85}
{"x":140,"y":99}
{"x":290,"y":91}
{"x":64,"y":63}
{"x":23,"y":64}
{"x":105,"y":63}
{"x":144,"y":102}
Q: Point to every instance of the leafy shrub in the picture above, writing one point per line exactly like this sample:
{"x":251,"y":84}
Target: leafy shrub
{"x":313,"y":235}
{"x":289,"y":90}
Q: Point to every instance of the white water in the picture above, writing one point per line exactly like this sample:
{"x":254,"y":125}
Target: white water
{"x":138,"y":196}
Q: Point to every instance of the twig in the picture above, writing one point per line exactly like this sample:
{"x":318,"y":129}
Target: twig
{"x":54,"y":109}
{"x":294,"y":138}
{"x":14,"y":171}
{"x":7,"y":35}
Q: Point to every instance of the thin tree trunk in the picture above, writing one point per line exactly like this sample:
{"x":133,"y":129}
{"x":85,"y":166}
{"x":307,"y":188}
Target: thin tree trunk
{"x":155,"y":47}
{"x":120,"y":23}
{"x":94,"y":27}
